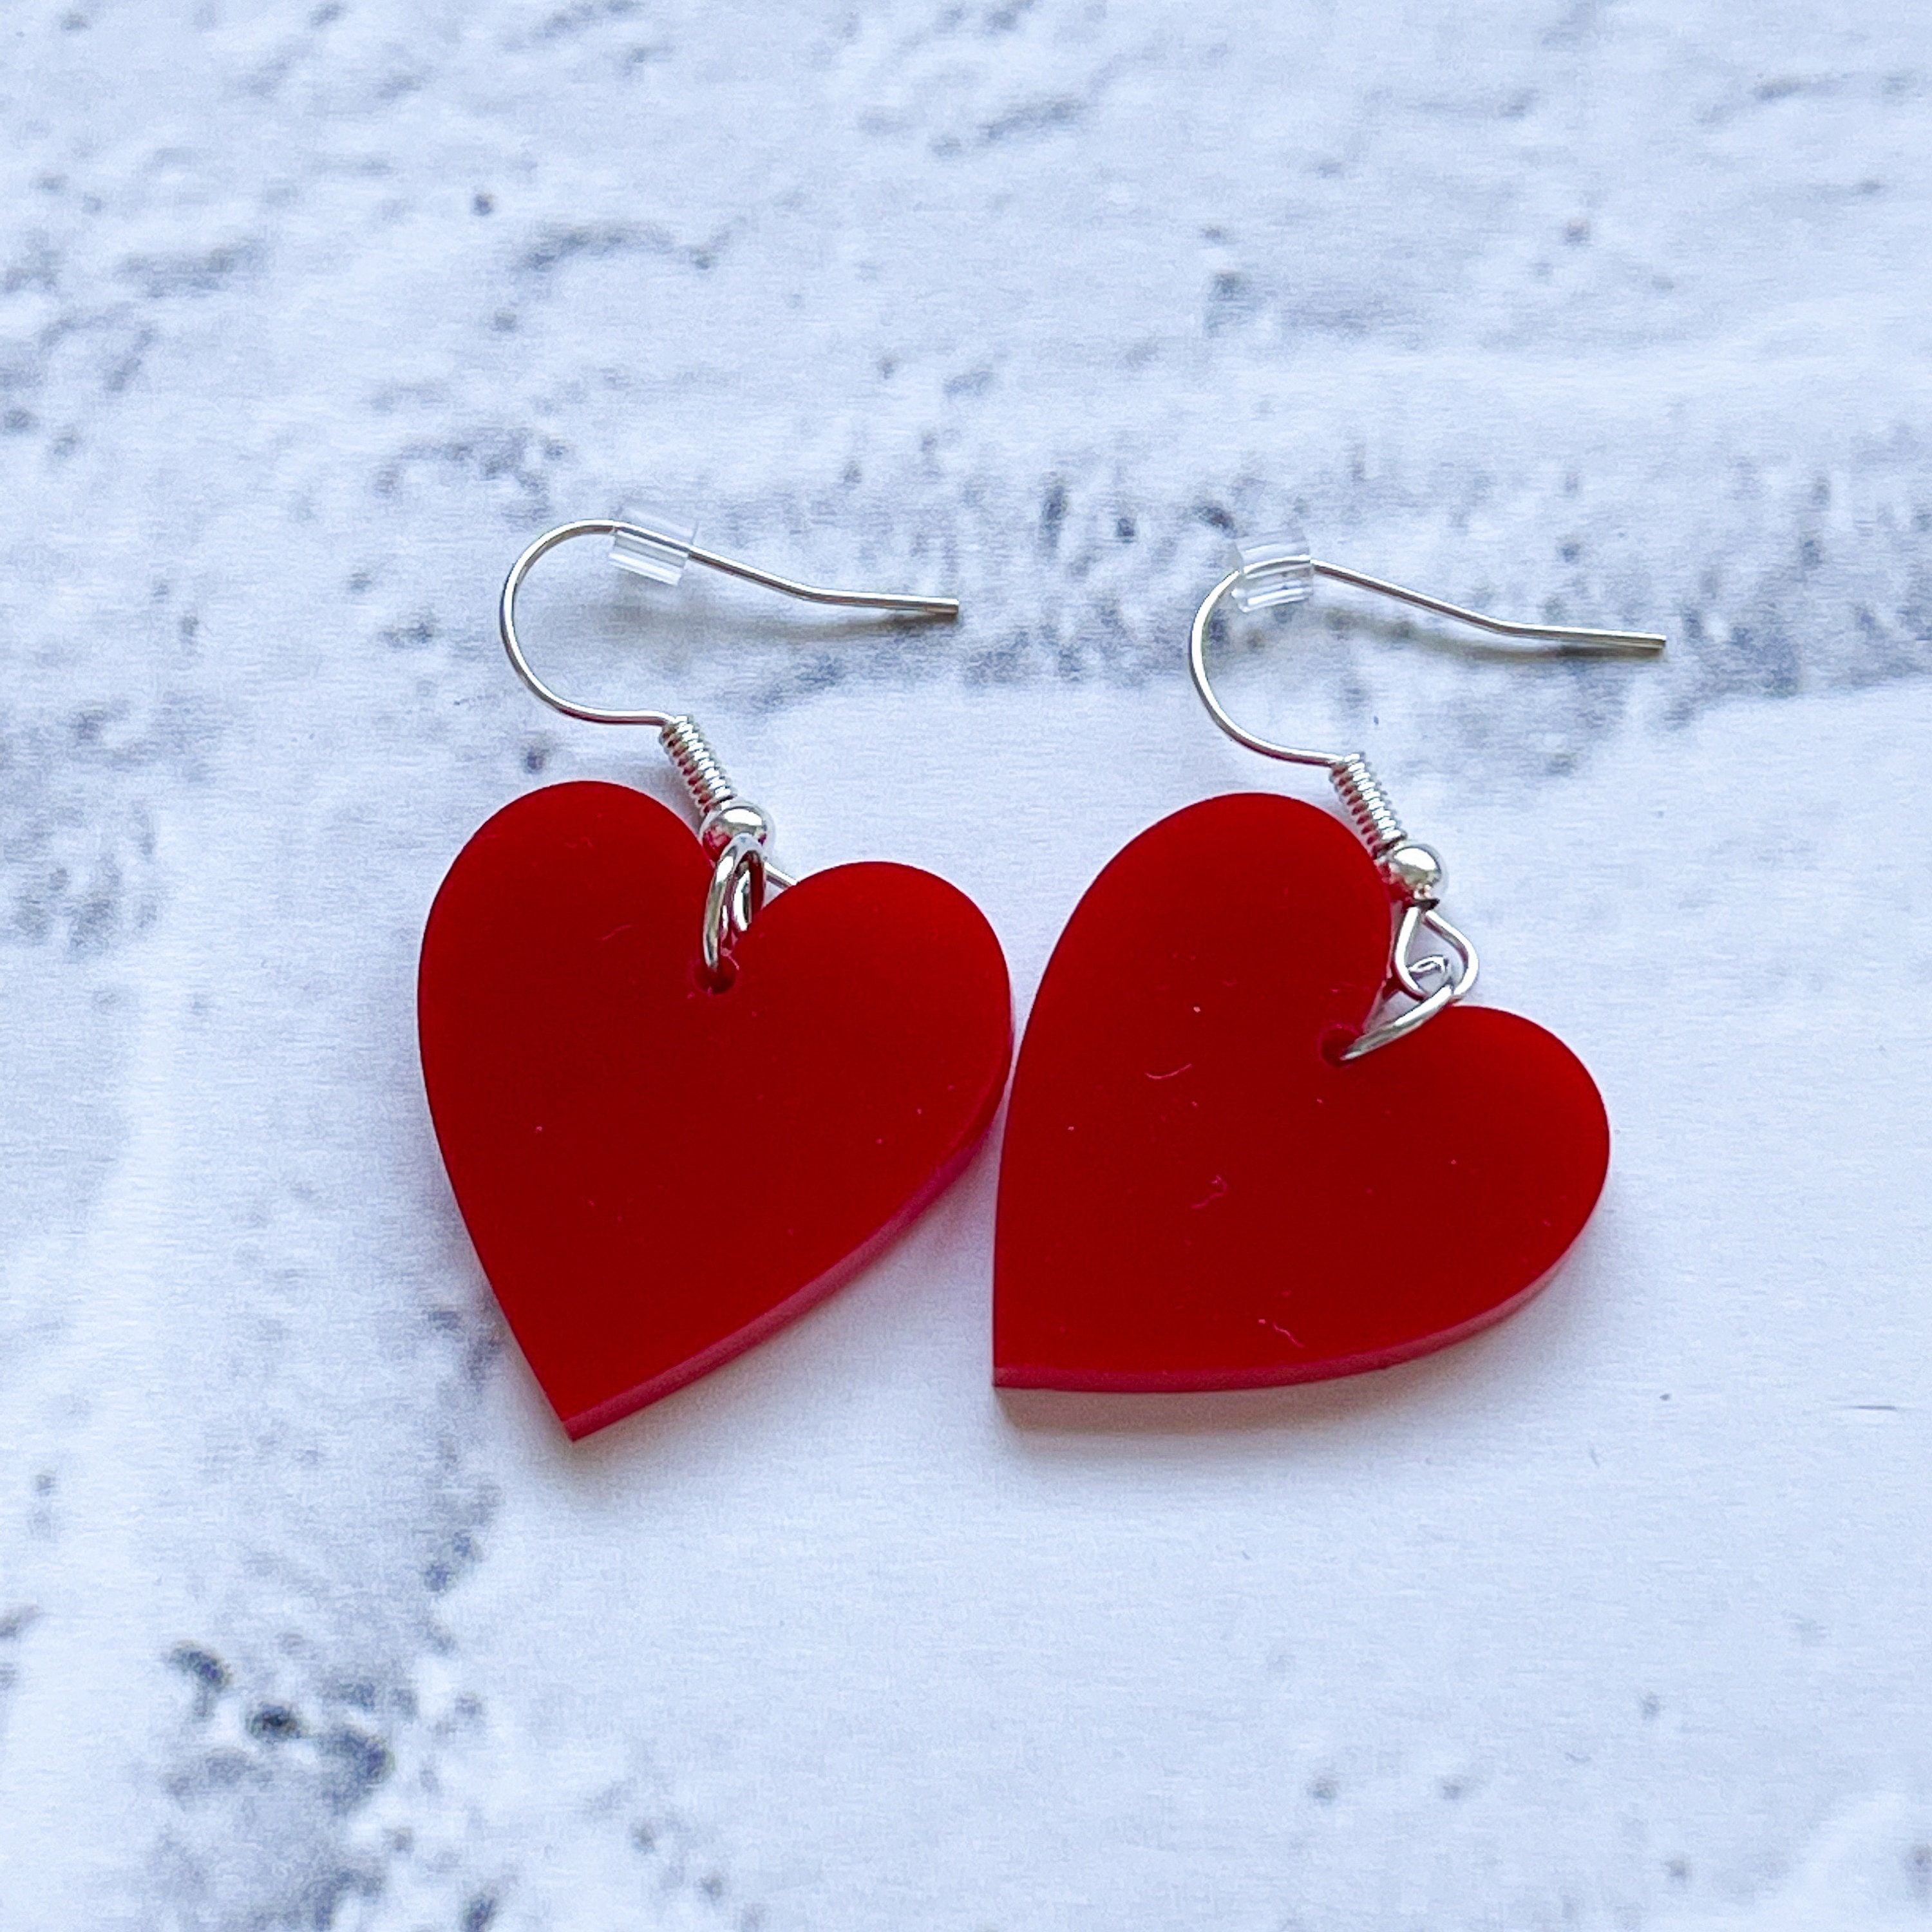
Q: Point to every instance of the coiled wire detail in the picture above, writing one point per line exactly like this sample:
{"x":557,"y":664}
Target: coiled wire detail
{"x":698,"y":765}
{"x":1368,"y":806}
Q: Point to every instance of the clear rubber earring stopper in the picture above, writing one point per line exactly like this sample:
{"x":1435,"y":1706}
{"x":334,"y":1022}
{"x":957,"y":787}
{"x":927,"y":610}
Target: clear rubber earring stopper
{"x":658,"y":548}
{"x":1277,"y":568}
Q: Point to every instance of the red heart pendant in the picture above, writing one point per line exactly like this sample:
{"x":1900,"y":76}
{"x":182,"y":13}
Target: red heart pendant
{"x":1196,"y":1194}
{"x":657,"y":1175}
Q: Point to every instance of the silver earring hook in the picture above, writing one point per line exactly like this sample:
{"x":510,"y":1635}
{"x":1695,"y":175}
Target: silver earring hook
{"x":661,"y":555}
{"x":1279,"y":569}
{"x":733,"y":832}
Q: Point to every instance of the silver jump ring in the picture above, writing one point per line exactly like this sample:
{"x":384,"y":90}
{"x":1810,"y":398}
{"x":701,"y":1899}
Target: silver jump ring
{"x":733,"y":899}
{"x":1428,"y":1003}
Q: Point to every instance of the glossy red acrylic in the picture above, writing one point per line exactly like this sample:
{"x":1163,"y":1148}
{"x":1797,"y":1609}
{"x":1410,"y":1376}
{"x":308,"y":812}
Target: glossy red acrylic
{"x":656,"y":1175}
{"x":1195,"y":1193}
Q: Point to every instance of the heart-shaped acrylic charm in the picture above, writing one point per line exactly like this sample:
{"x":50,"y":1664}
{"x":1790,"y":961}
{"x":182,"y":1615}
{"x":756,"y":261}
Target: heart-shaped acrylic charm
{"x":1197,"y":1192}
{"x":657,"y":1174}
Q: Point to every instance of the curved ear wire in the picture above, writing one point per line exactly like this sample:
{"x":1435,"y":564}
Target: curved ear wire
{"x":661,"y":555}
{"x":1279,"y":569}
{"x":733,"y":830}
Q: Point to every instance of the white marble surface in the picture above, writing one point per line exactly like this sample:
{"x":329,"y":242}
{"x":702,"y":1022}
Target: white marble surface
{"x":309,"y":315}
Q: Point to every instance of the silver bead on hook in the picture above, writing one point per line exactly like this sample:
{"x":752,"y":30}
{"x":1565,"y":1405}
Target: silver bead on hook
{"x":1280,"y":569}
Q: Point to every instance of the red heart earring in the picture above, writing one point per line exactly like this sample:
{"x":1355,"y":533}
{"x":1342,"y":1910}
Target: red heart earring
{"x":679,"y":1104}
{"x":1253,"y":1140}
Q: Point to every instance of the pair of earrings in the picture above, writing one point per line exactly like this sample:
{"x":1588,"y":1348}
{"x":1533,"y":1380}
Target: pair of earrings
{"x":1254,"y":1137}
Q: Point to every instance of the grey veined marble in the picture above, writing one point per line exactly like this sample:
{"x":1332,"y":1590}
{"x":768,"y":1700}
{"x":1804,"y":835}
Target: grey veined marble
{"x":310,"y":315}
